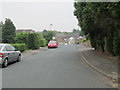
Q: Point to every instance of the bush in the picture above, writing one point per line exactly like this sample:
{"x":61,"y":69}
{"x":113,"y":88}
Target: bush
{"x":20,"y":46}
{"x":33,"y":41}
{"x":43,"y":42}
{"x":21,"y":37}
{"x":48,"y":35}
{"x":82,"y":39}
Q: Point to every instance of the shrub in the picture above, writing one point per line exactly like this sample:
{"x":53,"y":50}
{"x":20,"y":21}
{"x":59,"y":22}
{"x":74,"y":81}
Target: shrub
{"x":33,"y":41}
{"x":20,"y":46}
{"x":48,"y":35}
{"x":43,"y":42}
{"x":21,"y":37}
{"x":82,"y":39}
{"x":30,"y":41}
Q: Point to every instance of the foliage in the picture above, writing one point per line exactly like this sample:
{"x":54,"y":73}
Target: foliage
{"x":100,"y":20}
{"x":76,"y":31}
{"x":81,"y":33}
{"x":20,"y":46}
{"x":33,"y":41}
{"x":43,"y":42}
{"x":21,"y":37}
{"x":48,"y":35}
{"x":1,"y":24}
{"x":8,"y":31}
{"x":82,"y":39}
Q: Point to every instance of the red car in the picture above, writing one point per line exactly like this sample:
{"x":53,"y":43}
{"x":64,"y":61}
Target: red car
{"x":52,"y":44}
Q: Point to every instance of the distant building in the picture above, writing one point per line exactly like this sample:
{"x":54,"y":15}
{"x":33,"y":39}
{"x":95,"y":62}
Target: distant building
{"x":71,"y":40}
{"x":81,"y":37}
{"x":61,"y":37}
{"x":75,"y":35}
{"x":75,"y":39}
{"x":25,"y":30}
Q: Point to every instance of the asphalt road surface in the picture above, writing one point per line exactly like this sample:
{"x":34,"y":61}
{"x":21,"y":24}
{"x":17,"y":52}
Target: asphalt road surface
{"x":60,"y":67}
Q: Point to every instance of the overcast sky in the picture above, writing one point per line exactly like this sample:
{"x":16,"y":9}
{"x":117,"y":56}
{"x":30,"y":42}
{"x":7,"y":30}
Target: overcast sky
{"x":39,"y":15}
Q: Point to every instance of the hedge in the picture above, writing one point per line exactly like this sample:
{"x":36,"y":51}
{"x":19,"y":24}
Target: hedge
{"x":29,"y":41}
{"x":21,"y":37}
{"x":20,"y":46}
{"x":33,"y":41}
{"x":43,"y":42}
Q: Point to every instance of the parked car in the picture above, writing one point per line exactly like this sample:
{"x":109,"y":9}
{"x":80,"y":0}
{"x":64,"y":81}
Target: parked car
{"x":8,"y":54}
{"x":52,"y":44}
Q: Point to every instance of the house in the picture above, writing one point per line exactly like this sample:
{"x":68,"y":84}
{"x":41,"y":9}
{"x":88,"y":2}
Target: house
{"x":25,"y":30}
{"x":74,"y":38}
{"x":61,"y":37}
{"x":75,"y":35}
{"x":71,"y":40}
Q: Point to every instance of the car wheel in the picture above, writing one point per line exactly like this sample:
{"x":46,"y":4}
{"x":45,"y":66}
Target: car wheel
{"x":19,"y":58}
{"x":5,"y":64}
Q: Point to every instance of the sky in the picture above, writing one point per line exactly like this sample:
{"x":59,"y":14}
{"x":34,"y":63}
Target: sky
{"x":39,"y":15}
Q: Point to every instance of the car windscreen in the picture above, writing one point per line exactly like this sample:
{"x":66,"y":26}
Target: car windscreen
{"x":52,"y":42}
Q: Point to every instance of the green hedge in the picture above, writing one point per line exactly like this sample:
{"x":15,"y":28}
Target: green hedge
{"x":21,"y":37}
{"x":33,"y":41}
{"x":20,"y":46}
{"x":43,"y":42}
{"x":82,"y":39}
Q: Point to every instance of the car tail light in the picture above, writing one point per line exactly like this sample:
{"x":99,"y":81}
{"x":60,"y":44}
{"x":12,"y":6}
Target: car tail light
{"x":1,"y":55}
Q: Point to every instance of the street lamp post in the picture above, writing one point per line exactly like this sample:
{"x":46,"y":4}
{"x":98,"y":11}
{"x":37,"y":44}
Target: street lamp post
{"x":50,"y":26}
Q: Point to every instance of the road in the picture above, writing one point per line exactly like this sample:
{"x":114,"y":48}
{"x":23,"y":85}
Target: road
{"x":62,"y":67}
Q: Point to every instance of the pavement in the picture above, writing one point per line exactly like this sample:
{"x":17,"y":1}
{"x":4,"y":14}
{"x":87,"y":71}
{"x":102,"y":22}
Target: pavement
{"x":105,"y":65}
{"x":32,"y":52}
{"x":61,"y":67}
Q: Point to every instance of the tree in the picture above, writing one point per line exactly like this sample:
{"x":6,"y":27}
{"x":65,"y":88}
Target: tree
{"x":81,"y":33}
{"x":76,"y":31}
{"x":1,"y":25}
{"x":21,"y":37}
{"x":48,"y":35}
{"x":8,"y":32}
{"x":100,"y":20}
